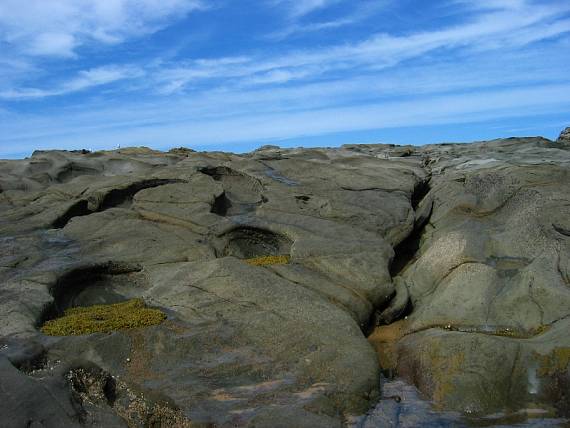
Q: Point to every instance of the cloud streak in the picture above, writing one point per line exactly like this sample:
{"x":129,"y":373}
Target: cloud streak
{"x":58,"y":27}
{"x":513,"y":27}
{"x":86,"y":79}
{"x":512,"y":24}
{"x":456,"y":108}
{"x":300,"y":8}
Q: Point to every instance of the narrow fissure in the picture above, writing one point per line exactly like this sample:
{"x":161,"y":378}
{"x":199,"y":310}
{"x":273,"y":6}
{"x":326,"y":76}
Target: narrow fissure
{"x":406,"y":251}
{"x":420,"y":192}
{"x":385,"y":325}
{"x":384,"y":329}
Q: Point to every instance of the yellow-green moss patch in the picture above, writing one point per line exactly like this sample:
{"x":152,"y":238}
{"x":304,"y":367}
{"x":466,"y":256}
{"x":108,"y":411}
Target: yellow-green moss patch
{"x":103,"y":318}
{"x":268,"y":260}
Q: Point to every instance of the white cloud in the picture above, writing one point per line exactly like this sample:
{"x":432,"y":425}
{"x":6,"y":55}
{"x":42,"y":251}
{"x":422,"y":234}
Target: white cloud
{"x":511,"y":27}
{"x":84,"y":80}
{"x":279,"y":76}
{"x":492,"y":4}
{"x":299,"y":8}
{"x":59,"y":27}
{"x":495,"y":30}
{"x":52,"y":43}
{"x":362,"y":10}
{"x":107,"y":128}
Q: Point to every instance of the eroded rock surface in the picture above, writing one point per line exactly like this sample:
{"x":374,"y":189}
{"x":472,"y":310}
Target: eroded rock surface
{"x":459,"y":252}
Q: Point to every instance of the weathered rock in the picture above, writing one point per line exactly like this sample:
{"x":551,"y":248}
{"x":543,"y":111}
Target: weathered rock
{"x":564,"y":137}
{"x":468,"y":243}
{"x":489,"y":283}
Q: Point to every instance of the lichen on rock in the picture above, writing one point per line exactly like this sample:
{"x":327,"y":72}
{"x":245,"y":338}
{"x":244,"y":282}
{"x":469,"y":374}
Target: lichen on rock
{"x":268,"y":260}
{"x":103,"y":318}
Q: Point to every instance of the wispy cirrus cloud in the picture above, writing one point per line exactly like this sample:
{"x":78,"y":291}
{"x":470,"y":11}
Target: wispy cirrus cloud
{"x":511,"y":24}
{"x":487,"y":59}
{"x":299,"y":8}
{"x":184,"y":124}
{"x":508,"y":26}
{"x":84,"y":80}
{"x":58,"y":27}
{"x":360,"y":11}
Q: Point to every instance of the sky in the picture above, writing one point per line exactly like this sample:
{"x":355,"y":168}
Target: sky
{"x":233,"y":75}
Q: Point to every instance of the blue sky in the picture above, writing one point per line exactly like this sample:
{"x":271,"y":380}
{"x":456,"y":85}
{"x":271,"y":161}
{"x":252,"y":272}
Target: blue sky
{"x":236,"y":74}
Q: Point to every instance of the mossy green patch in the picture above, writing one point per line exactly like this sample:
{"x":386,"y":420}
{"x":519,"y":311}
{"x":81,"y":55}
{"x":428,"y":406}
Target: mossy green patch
{"x":268,"y":260}
{"x":103,"y":318}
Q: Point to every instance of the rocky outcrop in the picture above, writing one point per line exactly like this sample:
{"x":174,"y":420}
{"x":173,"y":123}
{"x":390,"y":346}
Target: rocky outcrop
{"x":453,"y":259}
{"x":564,"y":137}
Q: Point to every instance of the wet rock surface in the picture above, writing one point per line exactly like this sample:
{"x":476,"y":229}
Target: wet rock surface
{"x":453,"y":259}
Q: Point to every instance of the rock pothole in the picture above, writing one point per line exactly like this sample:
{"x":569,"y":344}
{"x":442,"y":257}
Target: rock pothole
{"x":251,"y":243}
{"x":99,"y":285}
{"x":74,"y":170}
{"x":242,"y":192}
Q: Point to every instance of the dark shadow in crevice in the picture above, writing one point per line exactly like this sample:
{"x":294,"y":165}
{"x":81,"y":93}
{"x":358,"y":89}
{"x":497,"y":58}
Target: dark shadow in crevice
{"x":420,"y":192}
{"x":113,"y":199}
{"x":561,"y":230}
{"x":406,"y":251}
{"x":78,"y":209}
{"x":124,"y":197}
{"x":407,"y":311}
{"x":377,"y":318}
{"x":221,"y":205}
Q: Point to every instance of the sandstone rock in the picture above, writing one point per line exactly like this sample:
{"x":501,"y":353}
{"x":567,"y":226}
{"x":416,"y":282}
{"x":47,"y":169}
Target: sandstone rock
{"x":463,"y":249}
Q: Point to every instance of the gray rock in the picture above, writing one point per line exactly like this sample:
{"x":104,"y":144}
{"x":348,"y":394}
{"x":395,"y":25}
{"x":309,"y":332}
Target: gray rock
{"x":468,"y":242}
{"x":564,"y":137}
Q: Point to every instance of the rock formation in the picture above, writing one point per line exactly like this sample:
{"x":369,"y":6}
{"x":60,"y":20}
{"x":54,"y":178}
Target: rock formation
{"x":564,"y":137}
{"x":280,"y":273}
